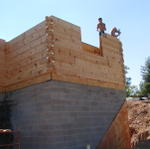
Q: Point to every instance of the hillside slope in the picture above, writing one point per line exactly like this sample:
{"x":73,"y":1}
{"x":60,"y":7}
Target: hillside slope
{"x":139,"y":120}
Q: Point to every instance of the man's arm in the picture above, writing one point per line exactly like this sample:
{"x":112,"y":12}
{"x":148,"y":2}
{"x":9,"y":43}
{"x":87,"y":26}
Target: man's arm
{"x":104,"y":26}
{"x":97,"y":27}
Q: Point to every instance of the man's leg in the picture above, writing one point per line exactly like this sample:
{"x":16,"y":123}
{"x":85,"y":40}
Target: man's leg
{"x":100,"y":33}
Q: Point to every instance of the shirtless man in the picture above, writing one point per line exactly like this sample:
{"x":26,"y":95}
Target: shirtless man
{"x":101,"y":27}
{"x":115,"y":32}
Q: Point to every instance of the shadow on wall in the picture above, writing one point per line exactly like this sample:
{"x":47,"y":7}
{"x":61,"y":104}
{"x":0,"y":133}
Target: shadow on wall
{"x":5,"y":119}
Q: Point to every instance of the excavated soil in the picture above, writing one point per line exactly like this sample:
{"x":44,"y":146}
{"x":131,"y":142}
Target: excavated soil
{"x":139,"y":120}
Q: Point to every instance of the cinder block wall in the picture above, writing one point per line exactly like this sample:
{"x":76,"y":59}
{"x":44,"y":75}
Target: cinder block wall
{"x":1,"y":96}
{"x":143,"y":145}
{"x":63,"y":115}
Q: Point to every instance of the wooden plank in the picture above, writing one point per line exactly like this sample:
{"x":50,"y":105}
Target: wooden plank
{"x":30,"y":60}
{"x":68,"y":29}
{"x":66,"y":32}
{"x":70,"y":37}
{"x":2,"y":65}
{"x":18,"y":70}
{"x":35,"y":36}
{"x":27,"y":53}
{"x":81,"y":69}
{"x":28,"y":32}
{"x":35,"y":45}
{"x":34,"y":65}
{"x":82,"y":55}
{"x":111,"y":50}
{"x":75,"y":79}
{"x":31,"y":55}
{"x":65,"y":59}
{"x":65,"y":44}
{"x":96,"y":71}
{"x":2,"y":89}
{"x":64,"y":23}
{"x":24,"y":40}
{"x":105,"y":41}
{"x":24,"y":74}
{"x":111,"y":38}
{"x":28,"y":82}
{"x":91,"y":49}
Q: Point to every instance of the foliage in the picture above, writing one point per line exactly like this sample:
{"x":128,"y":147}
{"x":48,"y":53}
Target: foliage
{"x":131,"y":90}
{"x":145,"y":85}
{"x":127,"y":81}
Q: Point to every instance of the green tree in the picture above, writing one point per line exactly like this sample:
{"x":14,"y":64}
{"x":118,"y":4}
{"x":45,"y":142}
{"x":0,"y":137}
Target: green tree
{"x":134,"y":92}
{"x":131,"y":90}
{"x":127,"y":82}
{"x":145,"y":84}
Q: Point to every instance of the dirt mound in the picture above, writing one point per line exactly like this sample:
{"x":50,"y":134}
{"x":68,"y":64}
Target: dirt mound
{"x":139,"y":120}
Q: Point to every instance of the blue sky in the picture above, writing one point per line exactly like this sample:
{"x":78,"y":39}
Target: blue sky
{"x":132,"y":17}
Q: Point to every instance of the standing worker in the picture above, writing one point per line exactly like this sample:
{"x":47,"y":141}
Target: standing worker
{"x":101,"y":27}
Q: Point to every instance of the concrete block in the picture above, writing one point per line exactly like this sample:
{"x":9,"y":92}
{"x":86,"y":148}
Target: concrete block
{"x":64,"y":113}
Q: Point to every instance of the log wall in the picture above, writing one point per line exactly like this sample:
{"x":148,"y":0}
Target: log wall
{"x":52,"y":50}
{"x":2,"y":65}
{"x":26,"y":58}
{"x":82,"y":63}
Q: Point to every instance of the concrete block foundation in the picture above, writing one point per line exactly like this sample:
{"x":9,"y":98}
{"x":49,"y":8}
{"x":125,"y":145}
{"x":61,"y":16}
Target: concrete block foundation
{"x":63,"y":115}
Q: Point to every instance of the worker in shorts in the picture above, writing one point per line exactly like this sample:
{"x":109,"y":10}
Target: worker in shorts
{"x":101,"y":27}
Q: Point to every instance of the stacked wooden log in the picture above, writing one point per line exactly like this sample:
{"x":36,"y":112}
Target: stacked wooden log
{"x":2,"y":65}
{"x":53,"y":50}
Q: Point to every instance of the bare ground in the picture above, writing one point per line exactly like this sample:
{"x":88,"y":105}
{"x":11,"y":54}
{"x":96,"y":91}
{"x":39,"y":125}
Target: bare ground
{"x":139,"y":120}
